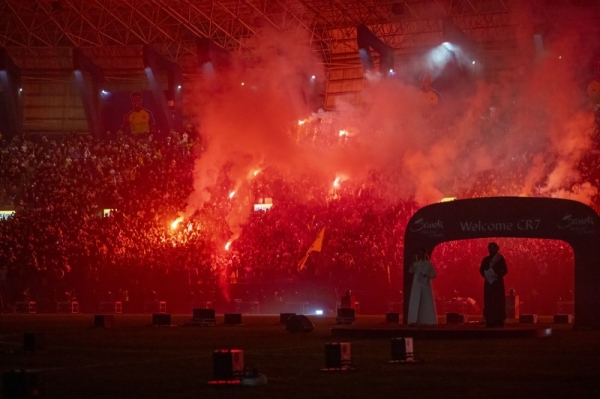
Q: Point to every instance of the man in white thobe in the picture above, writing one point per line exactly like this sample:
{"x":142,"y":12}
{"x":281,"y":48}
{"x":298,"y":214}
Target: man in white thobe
{"x":421,"y":308}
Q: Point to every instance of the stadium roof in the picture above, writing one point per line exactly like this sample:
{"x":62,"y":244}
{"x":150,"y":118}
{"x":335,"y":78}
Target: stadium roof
{"x":40,"y":34}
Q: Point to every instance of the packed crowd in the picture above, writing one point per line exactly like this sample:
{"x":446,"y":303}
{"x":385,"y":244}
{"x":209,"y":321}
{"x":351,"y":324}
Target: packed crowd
{"x":58,"y":244}
{"x":95,"y":221}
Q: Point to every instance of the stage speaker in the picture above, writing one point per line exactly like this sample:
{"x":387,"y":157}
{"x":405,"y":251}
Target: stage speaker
{"x":20,"y":384}
{"x":26,"y":307}
{"x":104,"y":320}
{"x":392,"y":318}
{"x":402,"y":350}
{"x":228,"y":364}
{"x":233,"y":318}
{"x":454,"y":318}
{"x":161,"y":319}
{"x":345,"y":316}
{"x":283,"y":317}
{"x":33,"y":342}
{"x":563,"y":319}
{"x":298,"y":324}
{"x":338,"y":355}
{"x":203,"y":314}
{"x":528,"y":319}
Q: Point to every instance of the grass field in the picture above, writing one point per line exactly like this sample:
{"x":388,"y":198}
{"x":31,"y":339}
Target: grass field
{"x":136,"y":360}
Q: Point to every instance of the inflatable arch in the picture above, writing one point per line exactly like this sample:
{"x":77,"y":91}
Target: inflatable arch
{"x":550,"y":218}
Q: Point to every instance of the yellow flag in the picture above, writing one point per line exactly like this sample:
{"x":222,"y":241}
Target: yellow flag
{"x":302,"y":262}
{"x":316,"y":246}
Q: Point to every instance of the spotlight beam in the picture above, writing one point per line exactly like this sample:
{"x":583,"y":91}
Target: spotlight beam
{"x":154,"y":60}
{"x":91,"y":100}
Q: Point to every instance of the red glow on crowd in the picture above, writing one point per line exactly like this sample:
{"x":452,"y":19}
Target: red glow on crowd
{"x":529,"y":132}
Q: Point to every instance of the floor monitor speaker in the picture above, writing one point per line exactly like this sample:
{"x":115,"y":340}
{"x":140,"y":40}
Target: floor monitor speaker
{"x":299,"y":323}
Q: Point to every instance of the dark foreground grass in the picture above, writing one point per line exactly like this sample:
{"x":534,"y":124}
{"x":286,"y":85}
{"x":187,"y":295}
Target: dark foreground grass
{"x":135,"y":360}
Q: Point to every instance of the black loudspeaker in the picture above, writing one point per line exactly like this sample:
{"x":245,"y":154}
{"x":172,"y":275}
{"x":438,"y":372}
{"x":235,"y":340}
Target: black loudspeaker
{"x":298,"y":324}
{"x":528,"y":319}
{"x":345,"y":316}
{"x":563,"y":319}
{"x":233,"y":318}
{"x":338,"y":355}
{"x":283,"y":317}
{"x":228,"y":364}
{"x":402,"y":350}
{"x":161,"y":319}
{"x":26,"y":307}
{"x":346,"y":312}
{"x":19,"y":384}
{"x":454,"y":318}
{"x":33,"y":342}
{"x":104,"y":320}
{"x":392,"y":318}
{"x":203,"y":314}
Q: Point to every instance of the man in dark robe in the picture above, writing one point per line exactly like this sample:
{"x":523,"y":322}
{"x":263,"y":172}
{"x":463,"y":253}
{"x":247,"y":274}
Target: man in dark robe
{"x":493,"y":269}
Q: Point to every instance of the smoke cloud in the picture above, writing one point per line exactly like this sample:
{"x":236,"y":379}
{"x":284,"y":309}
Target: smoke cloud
{"x":522,"y":131}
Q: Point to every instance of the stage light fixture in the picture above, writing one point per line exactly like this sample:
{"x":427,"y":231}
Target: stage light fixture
{"x":441,"y":55}
{"x":449,"y":46}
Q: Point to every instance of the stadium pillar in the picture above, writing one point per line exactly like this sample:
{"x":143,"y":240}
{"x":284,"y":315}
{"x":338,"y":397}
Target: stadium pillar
{"x":10,"y":81}
{"x":367,"y":40}
{"x":91,"y":99}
